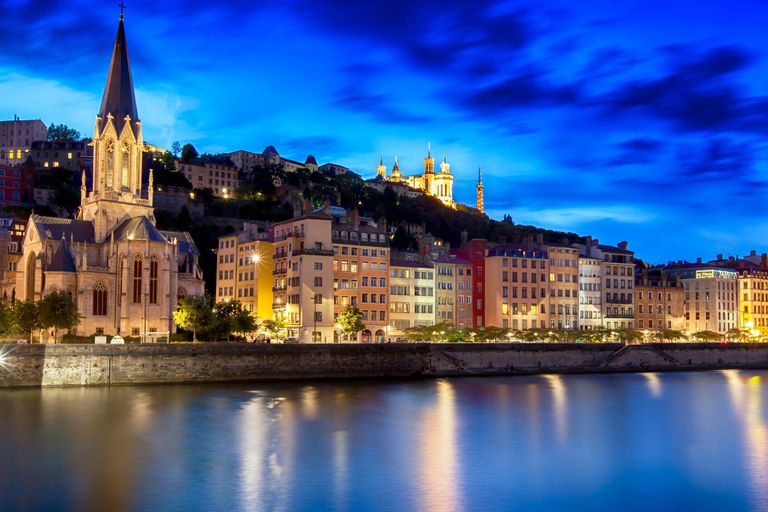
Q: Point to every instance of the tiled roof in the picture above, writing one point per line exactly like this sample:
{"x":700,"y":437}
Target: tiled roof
{"x":138,"y":228}
{"x":411,"y":264}
{"x":62,"y":260}
{"x":54,"y":228}
{"x":185,"y":241}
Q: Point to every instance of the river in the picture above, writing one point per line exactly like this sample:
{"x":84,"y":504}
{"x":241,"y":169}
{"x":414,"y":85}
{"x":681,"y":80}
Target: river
{"x":674,"y":441}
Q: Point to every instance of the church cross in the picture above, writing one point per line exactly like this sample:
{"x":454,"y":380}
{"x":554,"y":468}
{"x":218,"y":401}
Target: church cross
{"x":122,"y":7}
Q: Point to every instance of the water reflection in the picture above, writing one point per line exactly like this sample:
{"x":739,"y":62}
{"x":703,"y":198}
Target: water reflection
{"x":551,"y":443}
{"x":438,"y":465}
{"x":747,"y":399}
{"x":559,"y":405}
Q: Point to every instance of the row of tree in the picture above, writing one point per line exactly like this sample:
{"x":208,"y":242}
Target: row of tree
{"x":445,"y":332}
{"x":57,"y":311}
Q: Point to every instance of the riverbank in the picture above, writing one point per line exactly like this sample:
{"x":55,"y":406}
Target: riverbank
{"x":111,"y":365}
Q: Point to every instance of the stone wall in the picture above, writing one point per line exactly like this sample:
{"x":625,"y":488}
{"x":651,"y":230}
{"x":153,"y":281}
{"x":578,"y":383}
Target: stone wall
{"x":102,"y":365}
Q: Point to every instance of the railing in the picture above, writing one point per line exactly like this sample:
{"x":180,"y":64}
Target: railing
{"x":278,"y":288}
{"x":98,"y":268}
{"x":311,"y":251}
{"x":278,"y":305}
{"x":619,"y":315}
{"x":619,"y":301}
{"x":279,"y":271}
{"x":279,"y":255}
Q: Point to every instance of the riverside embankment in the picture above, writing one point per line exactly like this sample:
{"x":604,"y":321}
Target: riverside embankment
{"x":105,"y":365}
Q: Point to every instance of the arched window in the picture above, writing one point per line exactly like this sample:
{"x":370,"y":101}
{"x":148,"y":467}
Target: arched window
{"x":153,"y":264}
{"x":126,"y":155}
{"x":71,"y":292}
{"x":137,"y":279}
{"x":100,"y":300}
{"x":31,"y":276}
{"x":181,"y":293}
{"x":110,"y":162}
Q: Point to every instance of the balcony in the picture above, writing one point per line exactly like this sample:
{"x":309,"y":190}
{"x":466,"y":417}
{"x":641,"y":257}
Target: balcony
{"x":619,"y":301}
{"x":619,"y":315}
{"x":278,"y":255}
{"x":278,"y":305}
{"x":311,"y":251}
{"x":280,"y":271}
{"x":278,"y":288}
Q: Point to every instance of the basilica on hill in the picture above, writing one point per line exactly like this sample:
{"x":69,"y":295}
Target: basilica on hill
{"x":125,"y":274}
{"x":439,"y":185}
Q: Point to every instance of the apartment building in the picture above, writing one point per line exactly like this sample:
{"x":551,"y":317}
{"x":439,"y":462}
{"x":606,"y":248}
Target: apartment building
{"x":659,"y":302}
{"x":453,"y":290}
{"x":563,"y":285}
{"x":74,"y":156}
{"x":618,"y":270}
{"x":474,"y":251}
{"x":246,"y":160}
{"x":711,"y":296}
{"x":222,"y":179}
{"x":411,"y":295}
{"x":590,"y":293}
{"x":360,"y":272}
{"x":17,"y":184}
{"x":244,"y":270}
{"x":16,"y":138}
{"x":517,"y":292}
{"x":303,"y":261}
{"x":173,"y":199}
{"x":753,"y":300}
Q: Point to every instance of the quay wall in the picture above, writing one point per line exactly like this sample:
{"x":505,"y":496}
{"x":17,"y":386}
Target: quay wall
{"x":105,"y":365}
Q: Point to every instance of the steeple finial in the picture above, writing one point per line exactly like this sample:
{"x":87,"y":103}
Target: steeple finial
{"x":381,"y":158}
{"x":397,"y":164}
{"x":445,"y":157}
{"x":479,"y":176}
{"x":429,"y":150}
{"x":122,"y":7}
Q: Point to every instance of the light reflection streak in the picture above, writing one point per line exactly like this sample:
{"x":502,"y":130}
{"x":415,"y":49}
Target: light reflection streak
{"x":654,"y":384}
{"x":440,"y":488}
{"x":309,"y":401}
{"x":341,"y":469}
{"x":559,"y":405}
{"x":253,"y":431}
{"x":747,"y":400}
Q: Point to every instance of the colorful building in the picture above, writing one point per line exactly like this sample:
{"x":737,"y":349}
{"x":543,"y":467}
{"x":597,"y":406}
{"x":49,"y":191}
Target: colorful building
{"x":659,"y":302}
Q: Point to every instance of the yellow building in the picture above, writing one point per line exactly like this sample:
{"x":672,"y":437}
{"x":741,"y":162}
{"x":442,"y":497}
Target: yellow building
{"x":753,"y":302}
{"x":439,"y":185}
{"x":244,"y":270}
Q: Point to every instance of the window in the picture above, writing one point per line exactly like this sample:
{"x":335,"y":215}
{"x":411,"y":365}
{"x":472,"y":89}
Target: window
{"x":318,"y":281}
{"x":153,"y":280}
{"x":100,"y":300}
{"x":137,"y":279}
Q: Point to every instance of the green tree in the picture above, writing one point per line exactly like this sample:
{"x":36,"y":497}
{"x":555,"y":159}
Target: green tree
{"x":194,"y":313}
{"x":25,"y":318}
{"x":275,"y":325}
{"x":176,"y":148}
{"x":62,"y":132}
{"x":669,"y":335}
{"x":6,"y":317}
{"x":66,"y":197}
{"x":58,"y":310}
{"x":235,"y":317}
{"x":707,"y":336}
{"x":351,"y":320}
{"x":402,"y":239}
{"x":189,"y":153}
{"x":184,"y":219}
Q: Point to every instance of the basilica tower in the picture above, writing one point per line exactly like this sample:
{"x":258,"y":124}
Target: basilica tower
{"x":381,"y":169}
{"x":429,"y":171}
{"x":117,"y":151}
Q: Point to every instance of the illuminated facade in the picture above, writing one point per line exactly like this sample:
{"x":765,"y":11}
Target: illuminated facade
{"x":563,"y":286}
{"x":439,"y":185}
{"x":16,"y":138}
{"x":753,"y":300}
{"x":590,"y":293}
{"x":125,"y":275}
{"x":711,"y":296}
{"x":660,"y":303}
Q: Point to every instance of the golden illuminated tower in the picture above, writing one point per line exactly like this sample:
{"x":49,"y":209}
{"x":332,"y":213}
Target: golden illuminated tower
{"x":480,"y":190}
{"x":397,"y":176}
{"x":381,"y":169}
{"x":429,"y":171}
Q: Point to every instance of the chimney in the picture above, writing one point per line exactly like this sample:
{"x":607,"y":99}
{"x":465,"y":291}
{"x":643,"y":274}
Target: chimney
{"x":530,"y":241}
{"x":383,"y":224}
{"x":719,"y":257}
{"x":540,"y":238}
{"x":588,"y":246}
{"x":355,"y":218}
{"x":464,"y":237}
{"x":306,"y":207}
{"x":764,"y":261}
{"x":753,"y":252}
{"x":595,"y":242}
{"x":698,"y":260}
{"x":623,"y":246}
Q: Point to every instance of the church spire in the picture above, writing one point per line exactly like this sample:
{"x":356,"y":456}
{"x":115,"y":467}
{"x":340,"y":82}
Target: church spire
{"x":119,"y":99}
{"x":480,"y":190}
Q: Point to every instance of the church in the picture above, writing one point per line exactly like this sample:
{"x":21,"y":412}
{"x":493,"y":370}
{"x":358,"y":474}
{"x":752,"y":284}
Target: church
{"x":125,"y":274}
{"x":439,"y":185}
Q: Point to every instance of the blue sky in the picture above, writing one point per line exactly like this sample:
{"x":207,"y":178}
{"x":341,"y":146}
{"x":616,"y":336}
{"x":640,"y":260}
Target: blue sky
{"x":643,"y":121}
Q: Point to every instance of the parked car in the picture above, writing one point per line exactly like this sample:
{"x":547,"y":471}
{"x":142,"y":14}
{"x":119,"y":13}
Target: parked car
{"x":291,"y":340}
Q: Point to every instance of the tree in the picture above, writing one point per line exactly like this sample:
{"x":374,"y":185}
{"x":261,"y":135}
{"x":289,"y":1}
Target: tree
{"x":184,"y":219}
{"x":235,"y":317}
{"x":62,"y":132}
{"x":58,"y":310}
{"x":188,"y":153}
{"x":669,"y":335}
{"x":66,"y":197}
{"x":24,"y":318}
{"x":6,"y":316}
{"x":402,"y":239}
{"x":193,"y":313}
{"x":275,"y":325}
{"x":351,"y":320}
{"x":737,"y":334}
{"x":176,"y":148}
{"x":707,"y":336}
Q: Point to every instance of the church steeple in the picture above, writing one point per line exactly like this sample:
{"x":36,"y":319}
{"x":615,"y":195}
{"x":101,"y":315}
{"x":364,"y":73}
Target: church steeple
{"x":119,"y":99}
{"x":480,"y":190}
{"x":381,"y":169}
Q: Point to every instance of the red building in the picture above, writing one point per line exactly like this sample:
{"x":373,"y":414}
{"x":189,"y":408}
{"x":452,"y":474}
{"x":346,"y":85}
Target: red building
{"x":17,"y":184}
{"x":475,"y":252}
